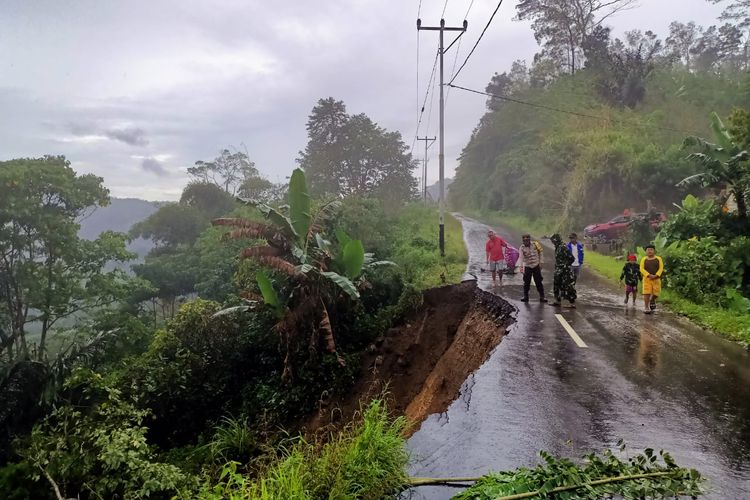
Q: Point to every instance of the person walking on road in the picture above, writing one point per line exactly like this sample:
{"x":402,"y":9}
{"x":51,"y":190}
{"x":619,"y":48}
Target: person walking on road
{"x":576,"y":250}
{"x":563,"y":283}
{"x":631,"y":273}
{"x":652,"y":268}
{"x":495,"y":256}
{"x":531,"y":267}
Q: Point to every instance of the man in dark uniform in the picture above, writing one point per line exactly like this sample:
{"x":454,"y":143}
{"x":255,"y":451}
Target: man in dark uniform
{"x":564,"y":282}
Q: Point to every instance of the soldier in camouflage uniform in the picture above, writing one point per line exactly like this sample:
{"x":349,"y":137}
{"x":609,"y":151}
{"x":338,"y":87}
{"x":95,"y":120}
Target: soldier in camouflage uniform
{"x":564,"y":282}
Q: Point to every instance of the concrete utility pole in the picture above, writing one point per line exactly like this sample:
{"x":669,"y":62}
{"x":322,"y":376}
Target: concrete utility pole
{"x":427,"y":143}
{"x":441,"y":51}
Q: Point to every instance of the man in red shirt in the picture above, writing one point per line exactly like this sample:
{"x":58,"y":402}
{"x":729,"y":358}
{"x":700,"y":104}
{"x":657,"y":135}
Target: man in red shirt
{"x":495,"y":256}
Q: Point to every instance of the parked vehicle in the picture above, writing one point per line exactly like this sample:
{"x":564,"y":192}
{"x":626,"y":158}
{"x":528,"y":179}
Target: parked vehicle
{"x":616,"y":228}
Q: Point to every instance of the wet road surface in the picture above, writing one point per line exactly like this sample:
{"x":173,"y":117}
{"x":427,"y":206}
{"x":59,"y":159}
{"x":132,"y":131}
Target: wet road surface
{"x":655,"y":381}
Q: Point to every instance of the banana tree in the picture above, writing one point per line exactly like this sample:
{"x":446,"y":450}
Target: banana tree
{"x":724,"y":163}
{"x":316,"y":275}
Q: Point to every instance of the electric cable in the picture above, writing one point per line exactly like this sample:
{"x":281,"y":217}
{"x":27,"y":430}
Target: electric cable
{"x":567,"y":111}
{"x":476,"y":43}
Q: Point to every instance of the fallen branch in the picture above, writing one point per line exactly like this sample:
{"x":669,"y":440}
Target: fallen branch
{"x":428,"y":481}
{"x":597,"y":482}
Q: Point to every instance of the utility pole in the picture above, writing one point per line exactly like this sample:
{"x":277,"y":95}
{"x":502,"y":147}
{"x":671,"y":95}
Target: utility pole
{"x":441,"y":51}
{"x":427,"y":143}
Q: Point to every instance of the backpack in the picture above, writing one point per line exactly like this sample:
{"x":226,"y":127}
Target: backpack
{"x":538,"y":247}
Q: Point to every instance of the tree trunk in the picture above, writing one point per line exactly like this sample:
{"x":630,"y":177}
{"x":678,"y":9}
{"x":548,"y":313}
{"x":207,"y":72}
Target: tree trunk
{"x":43,"y":340}
{"x":739,"y":198}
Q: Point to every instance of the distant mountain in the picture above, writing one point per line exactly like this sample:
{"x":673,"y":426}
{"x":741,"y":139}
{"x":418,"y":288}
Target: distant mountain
{"x":119,"y":216}
{"x":433,"y":192}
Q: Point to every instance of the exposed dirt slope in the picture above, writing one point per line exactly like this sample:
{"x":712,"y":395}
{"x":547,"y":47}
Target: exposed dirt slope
{"x":424,"y":361}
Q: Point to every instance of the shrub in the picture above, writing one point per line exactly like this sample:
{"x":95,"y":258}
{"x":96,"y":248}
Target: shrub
{"x":367,"y":460}
{"x":699,"y":270}
{"x":99,"y":448}
{"x":694,"y":219}
{"x":194,"y":370}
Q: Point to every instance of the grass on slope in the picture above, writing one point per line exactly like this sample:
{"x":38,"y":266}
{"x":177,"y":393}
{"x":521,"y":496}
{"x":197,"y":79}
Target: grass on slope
{"x":416,"y":248}
{"x":367,"y":460}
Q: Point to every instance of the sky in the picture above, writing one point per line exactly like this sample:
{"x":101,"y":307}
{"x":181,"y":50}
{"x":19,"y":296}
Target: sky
{"x":137,"y":91}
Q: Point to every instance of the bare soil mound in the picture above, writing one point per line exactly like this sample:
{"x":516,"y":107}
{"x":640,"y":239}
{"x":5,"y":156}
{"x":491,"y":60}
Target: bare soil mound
{"x":423,"y":362}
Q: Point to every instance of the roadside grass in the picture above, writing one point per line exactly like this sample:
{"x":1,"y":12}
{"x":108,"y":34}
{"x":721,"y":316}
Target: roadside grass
{"x":416,"y":249}
{"x":366,"y":460}
{"x":727,"y":323}
{"x":519,"y":222}
{"x":730,"y":324}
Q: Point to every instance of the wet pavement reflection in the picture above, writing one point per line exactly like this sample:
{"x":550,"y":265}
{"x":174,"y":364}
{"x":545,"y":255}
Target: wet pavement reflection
{"x":654,"y":381}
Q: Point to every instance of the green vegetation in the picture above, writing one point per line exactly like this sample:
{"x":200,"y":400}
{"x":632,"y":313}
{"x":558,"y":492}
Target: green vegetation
{"x":49,"y":274}
{"x":641,"y":476}
{"x":417,"y":253}
{"x":729,"y":323}
{"x":536,"y":227}
{"x":160,"y":391}
{"x":366,"y":460}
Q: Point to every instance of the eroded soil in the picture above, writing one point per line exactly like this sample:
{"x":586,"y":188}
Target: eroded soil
{"x":422,"y":363}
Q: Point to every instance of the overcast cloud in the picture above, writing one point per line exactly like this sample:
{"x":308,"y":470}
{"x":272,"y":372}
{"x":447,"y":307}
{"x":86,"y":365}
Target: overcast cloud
{"x":136,"y":91}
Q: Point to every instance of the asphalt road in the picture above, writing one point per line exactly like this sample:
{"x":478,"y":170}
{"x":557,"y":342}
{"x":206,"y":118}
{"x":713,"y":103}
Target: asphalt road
{"x":655,"y":381}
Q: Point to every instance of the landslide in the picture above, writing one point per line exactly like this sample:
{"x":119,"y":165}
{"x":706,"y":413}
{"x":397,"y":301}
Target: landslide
{"x":422,"y":363}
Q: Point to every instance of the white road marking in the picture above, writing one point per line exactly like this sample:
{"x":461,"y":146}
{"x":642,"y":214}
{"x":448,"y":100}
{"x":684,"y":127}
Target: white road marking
{"x":579,"y":342}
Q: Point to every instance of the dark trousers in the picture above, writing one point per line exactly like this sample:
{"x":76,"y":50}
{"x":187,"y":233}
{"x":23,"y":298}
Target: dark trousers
{"x":536,"y":273}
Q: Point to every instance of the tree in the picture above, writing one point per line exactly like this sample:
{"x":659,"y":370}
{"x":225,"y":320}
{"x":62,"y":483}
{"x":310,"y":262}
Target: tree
{"x":507,"y":83}
{"x":257,"y":188}
{"x":353,"y":156}
{"x":738,"y":15}
{"x":725,"y":163}
{"x":172,"y":275}
{"x":316,"y":275}
{"x":228,"y":170}
{"x":48,"y":272}
{"x":622,"y":68}
{"x":173,"y":226}
{"x":737,"y":11}
{"x":562,"y":26}
{"x":680,"y":43}
{"x":208,"y":198}
{"x":718,"y":48}
{"x":323,"y":154}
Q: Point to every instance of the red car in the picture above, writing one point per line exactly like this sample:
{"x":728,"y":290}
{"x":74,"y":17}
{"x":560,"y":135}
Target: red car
{"x":617,"y":228}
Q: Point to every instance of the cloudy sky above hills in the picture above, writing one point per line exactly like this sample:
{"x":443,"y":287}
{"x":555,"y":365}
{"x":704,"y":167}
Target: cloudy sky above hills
{"x":137,"y":91}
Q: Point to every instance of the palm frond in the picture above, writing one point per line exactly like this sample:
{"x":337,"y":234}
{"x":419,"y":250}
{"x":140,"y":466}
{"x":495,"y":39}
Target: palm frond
{"x":720,"y":132}
{"x":277,"y":263}
{"x":235,"y":222}
{"x":325,"y":212}
{"x":261,"y":251}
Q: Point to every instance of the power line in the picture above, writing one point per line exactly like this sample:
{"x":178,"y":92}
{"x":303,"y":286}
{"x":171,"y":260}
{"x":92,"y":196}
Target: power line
{"x":427,"y":93}
{"x":458,"y":52}
{"x":469,"y":9}
{"x":453,"y":72}
{"x":477,"y":42}
{"x":567,"y":111}
{"x":429,"y":112}
{"x":444,"y":7}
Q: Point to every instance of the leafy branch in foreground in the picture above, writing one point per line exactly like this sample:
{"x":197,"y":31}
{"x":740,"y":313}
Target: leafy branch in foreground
{"x":646,"y":475}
